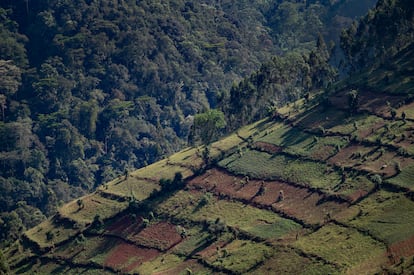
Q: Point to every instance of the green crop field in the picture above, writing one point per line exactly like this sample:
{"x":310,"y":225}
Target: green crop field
{"x":284,"y":135}
{"x":131,"y":187}
{"x":261,"y":223}
{"x":197,"y":238}
{"x":266,"y":166}
{"x":92,"y":205}
{"x":357,"y":125}
{"x":240,"y":256}
{"x":343,"y":246}
{"x":91,"y":249}
{"x":55,"y":268}
{"x":288,"y":261}
{"x":388,"y":216}
{"x":405,"y":178}
{"x":162,"y":170}
{"x":49,"y":233}
{"x":160,"y":264}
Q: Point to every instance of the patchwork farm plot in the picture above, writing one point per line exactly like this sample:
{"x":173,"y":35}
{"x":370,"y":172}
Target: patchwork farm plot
{"x":375,"y":160}
{"x":131,"y":186}
{"x":306,"y":173}
{"x":83,"y":210}
{"x":295,"y":142}
{"x":314,"y":192}
{"x":343,"y":247}
{"x":299,"y":202}
{"x":250,"y":220}
{"x":239,"y":256}
{"x":404,"y":178}
{"x":386,"y":215}
{"x":287,"y":260}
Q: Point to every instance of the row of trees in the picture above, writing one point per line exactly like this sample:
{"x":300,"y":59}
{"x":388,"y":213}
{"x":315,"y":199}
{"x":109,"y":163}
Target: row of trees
{"x":379,"y":35}
{"x":283,"y":79}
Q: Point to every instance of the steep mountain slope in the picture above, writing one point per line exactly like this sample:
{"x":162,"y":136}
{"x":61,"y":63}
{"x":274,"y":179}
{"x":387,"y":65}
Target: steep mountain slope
{"x":91,"y":89}
{"x":323,"y":185}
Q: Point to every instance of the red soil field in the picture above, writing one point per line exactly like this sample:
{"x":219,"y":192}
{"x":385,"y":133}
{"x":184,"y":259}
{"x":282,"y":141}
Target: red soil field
{"x":298,"y":201}
{"x":401,"y":249}
{"x":161,"y":236}
{"x":384,"y":164}
{"x":211,"y":250}
{"x":267,"y":147}
{"x":126,"y":257}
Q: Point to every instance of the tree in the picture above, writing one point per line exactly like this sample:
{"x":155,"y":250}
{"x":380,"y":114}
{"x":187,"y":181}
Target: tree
{"x":80,"y":204}
{"x":10,"y":80}
{"x":353,"y":101}
{"x":208,"y":124}
{"x":4,"y":267}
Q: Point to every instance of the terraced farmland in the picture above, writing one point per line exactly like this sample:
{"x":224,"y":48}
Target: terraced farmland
{"x":313,"y":192}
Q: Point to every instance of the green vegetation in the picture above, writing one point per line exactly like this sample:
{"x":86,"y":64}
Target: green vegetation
{"x":343,"y":246}
{"x":387,"y":216}
{"x":405,"y":178}
{"x":60,"y":231}
{"x":261,"y":223}
{"x":92,"y":203}
{"x":240,"y":256}
{"x":207,"y":126}
{"x":91,"y":89}
{"x":287,"y":261}
{"x":263,"y":165}
{"x":296,"y":142}
{"x":319,"y":186}
{"x":135,"y":188}
{"x":161,"y":264}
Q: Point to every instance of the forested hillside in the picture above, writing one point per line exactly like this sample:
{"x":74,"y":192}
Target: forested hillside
{"x":91,"y":89}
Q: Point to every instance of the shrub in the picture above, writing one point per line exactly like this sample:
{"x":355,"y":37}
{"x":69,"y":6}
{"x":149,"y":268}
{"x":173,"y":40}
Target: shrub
{"x":377,"y":179}
{"x":402,"y":152}
{"x":50,"y":235}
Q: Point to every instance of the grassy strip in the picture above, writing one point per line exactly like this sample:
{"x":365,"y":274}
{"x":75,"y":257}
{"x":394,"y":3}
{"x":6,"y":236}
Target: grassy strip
{"x":48,"y":233}
{"x":92,"y":205}
{"x":386,"y":215}
{"x":131,"y":187}
{"x":265,"y":166}
{"x":288,"y":261}
{"x":343,"y":246}
{"x":405,"y":178}
{"x":240,"y":256}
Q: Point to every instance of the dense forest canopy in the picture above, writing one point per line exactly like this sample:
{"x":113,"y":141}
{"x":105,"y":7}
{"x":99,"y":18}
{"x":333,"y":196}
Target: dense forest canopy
{"x":89,"y":89}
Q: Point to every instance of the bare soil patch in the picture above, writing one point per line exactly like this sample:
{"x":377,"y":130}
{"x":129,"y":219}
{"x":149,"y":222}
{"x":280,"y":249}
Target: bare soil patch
{"x":301,"y":203}
{"x":401,"y":249}
{"x":222,"y":183}
{"x":126,"y":257}
{"x":371,"y":159}
{"x":125,"y":226}
{"x":162,"y":236}
{"x":267,"y":147}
